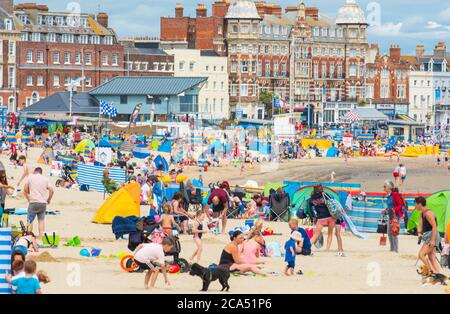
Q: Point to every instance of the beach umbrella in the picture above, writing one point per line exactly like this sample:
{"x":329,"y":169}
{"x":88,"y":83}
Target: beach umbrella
{"x":84,"y":145}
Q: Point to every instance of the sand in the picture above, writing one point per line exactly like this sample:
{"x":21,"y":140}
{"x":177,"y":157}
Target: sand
{"x":367,"y":267}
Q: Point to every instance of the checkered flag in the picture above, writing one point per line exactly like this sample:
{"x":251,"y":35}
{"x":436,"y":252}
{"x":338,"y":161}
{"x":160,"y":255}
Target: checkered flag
{"x":107,"y":109}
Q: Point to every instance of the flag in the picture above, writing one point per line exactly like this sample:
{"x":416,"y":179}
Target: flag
{"x":353,"y":116}
{"x":107,"y":109}
{"x":135,"y":115}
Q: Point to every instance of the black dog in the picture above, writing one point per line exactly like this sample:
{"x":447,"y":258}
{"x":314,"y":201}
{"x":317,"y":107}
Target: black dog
{"x":209,"y":275}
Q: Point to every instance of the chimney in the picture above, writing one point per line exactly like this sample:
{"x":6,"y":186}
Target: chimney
{"x":179,"y":10}
{"x":8,"y":6}
{"x":102,"y":19}
{"x":312,"y":13}
{"x":440,"y":51}
{"x":202,"y":11}
{"x":420,"y":50}
{"x":395,"y":53}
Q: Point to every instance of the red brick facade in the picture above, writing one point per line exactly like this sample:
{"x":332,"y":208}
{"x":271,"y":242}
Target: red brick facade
{"x":45,"y":76}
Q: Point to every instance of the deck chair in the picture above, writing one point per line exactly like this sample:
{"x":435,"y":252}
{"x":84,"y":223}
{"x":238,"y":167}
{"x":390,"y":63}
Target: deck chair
{"x":234,"y":212}
{"x":279,"y":207}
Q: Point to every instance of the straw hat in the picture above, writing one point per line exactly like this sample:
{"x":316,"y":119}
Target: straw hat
{"x":251,"y":184}
{"x":296,"y":236}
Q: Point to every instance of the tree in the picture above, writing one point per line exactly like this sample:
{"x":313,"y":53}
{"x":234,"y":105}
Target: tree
{"x":266,"y":98}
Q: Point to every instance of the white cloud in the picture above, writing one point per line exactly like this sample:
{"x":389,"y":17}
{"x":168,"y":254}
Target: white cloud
{"x":444,"y":15}
{"x":386,"y":29}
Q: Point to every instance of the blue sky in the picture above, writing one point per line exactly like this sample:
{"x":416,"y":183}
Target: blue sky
{"x":403,"y":22}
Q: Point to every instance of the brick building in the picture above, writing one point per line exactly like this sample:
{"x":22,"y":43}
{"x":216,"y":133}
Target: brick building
{"x":144,"y":57}
{"x":56,"y":48}
{"x":9,"y":36}
{"x":200,"y":32}
{"x":387,"y":81}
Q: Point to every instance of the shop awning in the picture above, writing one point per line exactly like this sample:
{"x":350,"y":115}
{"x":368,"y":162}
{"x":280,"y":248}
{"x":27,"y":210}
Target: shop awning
{"x":405,"y":117}
{"x":367,"y":114}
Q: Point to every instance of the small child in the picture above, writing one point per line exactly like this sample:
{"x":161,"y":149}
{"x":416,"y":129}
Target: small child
{"x":167,"y":221}
{"x":29,"y":283}
{"x":291,"y":248}
{"x":198,"y":231}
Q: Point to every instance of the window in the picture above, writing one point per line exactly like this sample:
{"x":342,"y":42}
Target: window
{"x":50,"y":20}
{"x":245,"y":29}
{"x":275,"y":69}
{"x":384,"y":93}
{"x":40,"y":80}
{"x":11,"y":77}
{"x":384,"y":74}
{"x":221,"y":104}
{"x":352,"y":93}
{"x":8,"y":24}
{"x":222,"y":85}
{"x":108,"y":40}
{"x":324,"y":52}
{"x":339,"y":52}
{"x":105,"y":59}
{"x":88,"y":81}
{"x":115,"y":60}
{"x":191,"y":66}
{"x":244,"y":66}
{"x":12,"y":48}
{"x":36,"y":36}
{"x":339,"y":69}
{"x":95,"y":40}
{"x":219,"y":29}
{"x":352,"y":53}
{"x":275,"y":50}
{"x":84,"y":39}
{"x":123,"y":99}
{"x":316,"y":70}
{"x":315,"y":51}
{"x":233,"y":48}
{"x":283,"y":69}
{"x":254,"y":69}
{"x":77,"y":57}
{"x":244,"y":48}
{"x":352,"y":69}
{"x":56,"y":57}
{"x":324,"y":69}
{"x":214,"y":105}
{"x":244,"y":89}
{"x":29,"y":56}
{"x":40,"y":56}
{"x":51,"y":37}
{"x":316,"y":31}
{"x":66,"y":81}
{"x":88,"y":58}
{"x":233,"y":66}
{"x":332,"y":32}
{"x":55,"y":80}
{"x":233,"y":91}
{"x":331,"y":70}
{"x":234,"y":28}
{"x":268,"y":68}
{"x":66,"y":57}
{"x":324,"y":32}
{"x":29,"y":80}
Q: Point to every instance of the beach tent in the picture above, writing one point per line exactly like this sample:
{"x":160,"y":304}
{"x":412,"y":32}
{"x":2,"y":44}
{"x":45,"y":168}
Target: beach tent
{"x":164,"y":162}
{"x":47,"y":156}
{"x":141,"y":151}
{"x":5,"y":258}
{"x":439,"y":204}
{"x":165,"y":147}
{"x":270,"y":185}
{"x":65,"y":159}
{"x":124,"y":202}
{"x":303,"y":195}
{"x":115,"y":142}
{"x":128,"y":144}
{"x":84,"y":145}
{"x":332,"y":152}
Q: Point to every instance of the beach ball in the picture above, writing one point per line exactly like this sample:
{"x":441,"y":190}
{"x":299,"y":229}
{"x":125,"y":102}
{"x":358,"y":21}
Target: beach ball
{"x":173,"y":269}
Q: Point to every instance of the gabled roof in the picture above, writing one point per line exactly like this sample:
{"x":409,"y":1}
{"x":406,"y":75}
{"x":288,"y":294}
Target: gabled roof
{"x":147,"y":85}
{"x":82,"y":103}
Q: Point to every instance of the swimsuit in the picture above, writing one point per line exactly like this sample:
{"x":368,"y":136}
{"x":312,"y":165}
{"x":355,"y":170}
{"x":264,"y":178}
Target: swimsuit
{"x":199,"y":228}
{"x":226,"y":260}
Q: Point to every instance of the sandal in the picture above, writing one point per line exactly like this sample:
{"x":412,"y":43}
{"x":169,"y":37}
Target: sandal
{"x":299,"y":272}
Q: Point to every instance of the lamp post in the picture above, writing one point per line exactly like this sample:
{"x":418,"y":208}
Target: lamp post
{"x":167,"y":107}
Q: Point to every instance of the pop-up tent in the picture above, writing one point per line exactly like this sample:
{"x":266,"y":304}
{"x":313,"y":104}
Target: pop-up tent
{"x":332,"y":152}
{"x":301,"y":198}
{"x":47,"y":156}
{"x":439,"y":204}
{"x":141,"y":151}
{"x":125,"y":202}
{"x":159,"y":159}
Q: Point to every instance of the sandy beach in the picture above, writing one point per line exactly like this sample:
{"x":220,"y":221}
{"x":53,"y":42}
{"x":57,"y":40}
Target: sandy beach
{"x":358,"y":272}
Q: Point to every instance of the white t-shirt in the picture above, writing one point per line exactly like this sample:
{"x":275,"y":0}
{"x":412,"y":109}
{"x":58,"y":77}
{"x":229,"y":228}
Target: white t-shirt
{"x":402,"y":171}
{"x":150,"y":252}
{"x":145,"y":191}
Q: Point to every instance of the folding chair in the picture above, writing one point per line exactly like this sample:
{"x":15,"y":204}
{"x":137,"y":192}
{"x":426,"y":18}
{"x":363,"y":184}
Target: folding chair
{"x":279,"y":208}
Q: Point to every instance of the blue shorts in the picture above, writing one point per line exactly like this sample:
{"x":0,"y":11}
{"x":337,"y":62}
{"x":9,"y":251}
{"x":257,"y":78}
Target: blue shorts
{"x":291,"y":264}
{"x":21,"y":249}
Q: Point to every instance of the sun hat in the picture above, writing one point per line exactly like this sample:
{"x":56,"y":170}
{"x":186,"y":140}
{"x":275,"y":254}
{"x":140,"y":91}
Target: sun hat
{"x":296,"y":236}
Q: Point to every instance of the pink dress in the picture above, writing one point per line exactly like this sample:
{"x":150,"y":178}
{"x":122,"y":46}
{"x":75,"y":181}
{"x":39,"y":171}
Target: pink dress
{"x":249,"y":251}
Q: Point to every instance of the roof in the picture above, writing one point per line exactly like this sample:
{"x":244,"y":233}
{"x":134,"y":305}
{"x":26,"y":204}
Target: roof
{"x":145,"y":51}
{"x":350,"y":13}
{"x":209,"y":53}
{"x":147,"y":85}
{"x":82,"y":103}
{"x":242,"y":9}
{"x":369,"y":114}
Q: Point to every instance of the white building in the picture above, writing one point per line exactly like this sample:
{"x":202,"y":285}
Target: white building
{"x":430,"y":87}
{"x":213,"y":98}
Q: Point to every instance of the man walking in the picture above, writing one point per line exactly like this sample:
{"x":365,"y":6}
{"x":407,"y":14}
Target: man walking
{"x":39,"y":193}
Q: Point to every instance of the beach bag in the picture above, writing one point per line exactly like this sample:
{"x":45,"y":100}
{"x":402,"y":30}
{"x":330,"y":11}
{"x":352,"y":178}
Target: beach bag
{"x":383,"y":240}
{"x":382,"y":226}
{"x":51,"y":239}
{"x":395,"y":227}
{"x":84,"y":188}
{"x":334,"y":207}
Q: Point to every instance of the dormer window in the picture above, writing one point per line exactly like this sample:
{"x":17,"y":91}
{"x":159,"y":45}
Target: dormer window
{"x":324,"y":32}
{"x":8,"y":25}
{"x":444,"y":66}
{"x":40,"y":20}
{"x":50,"y":20}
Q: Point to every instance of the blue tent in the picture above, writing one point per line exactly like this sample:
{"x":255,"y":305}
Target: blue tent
{"x":104,"y":142}
{"x":332,"y":152}
{"x":159,"y":159}
{"x":141,"y":151}
{"x":165,"y":147}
